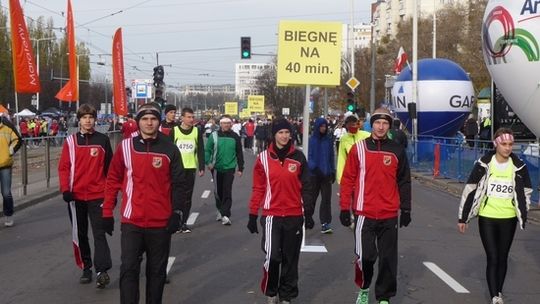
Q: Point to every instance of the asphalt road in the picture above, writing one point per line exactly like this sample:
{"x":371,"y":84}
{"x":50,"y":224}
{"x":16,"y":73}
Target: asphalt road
{"x":220,"y":264}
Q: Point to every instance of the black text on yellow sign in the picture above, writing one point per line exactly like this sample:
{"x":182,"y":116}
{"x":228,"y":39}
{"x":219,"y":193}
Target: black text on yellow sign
{"x":309,"y":53}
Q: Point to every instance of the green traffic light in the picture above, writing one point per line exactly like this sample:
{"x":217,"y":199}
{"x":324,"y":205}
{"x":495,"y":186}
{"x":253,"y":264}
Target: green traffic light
{"x":350,"y":108}
{"x":245,"y":54}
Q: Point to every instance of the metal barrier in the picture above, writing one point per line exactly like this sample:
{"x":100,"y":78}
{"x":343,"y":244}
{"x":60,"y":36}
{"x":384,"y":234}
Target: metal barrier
{"x":38,"y":154}
{"x":455,"y":158}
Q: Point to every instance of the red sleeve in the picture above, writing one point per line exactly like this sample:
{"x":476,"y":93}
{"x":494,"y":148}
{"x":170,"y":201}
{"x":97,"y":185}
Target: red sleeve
{"x":64,"y":168}
{"x":259,"y":187}
{"x":115,"y":179}
{"x":349,"y":179}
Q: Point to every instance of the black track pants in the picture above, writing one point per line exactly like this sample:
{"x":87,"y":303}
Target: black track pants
{"x":281,"y":242}
{"x":156,"y":243}
{"x":376,"y":239}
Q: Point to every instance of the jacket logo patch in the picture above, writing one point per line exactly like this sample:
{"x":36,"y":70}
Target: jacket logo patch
{"x":94,"y":152}
{"x":292,"y":168}
{"x":387,"y":160}
{"x":157,"y":162}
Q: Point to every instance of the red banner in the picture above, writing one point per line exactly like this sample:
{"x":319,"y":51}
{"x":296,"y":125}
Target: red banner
{"x":70,"y":92}
{"x":24,"y":66}
{"x":120,"y":102}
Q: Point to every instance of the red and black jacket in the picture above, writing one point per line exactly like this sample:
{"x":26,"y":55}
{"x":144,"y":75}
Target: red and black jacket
{"x":83,"y":165}
{"x":281,"y":188}
{"x":150,"y":174}
{"x":377,"y":173}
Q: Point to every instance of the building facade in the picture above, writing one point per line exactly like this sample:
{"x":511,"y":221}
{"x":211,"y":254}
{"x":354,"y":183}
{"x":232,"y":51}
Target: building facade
{"x":386,"y":14}
{"x":246,"y":78}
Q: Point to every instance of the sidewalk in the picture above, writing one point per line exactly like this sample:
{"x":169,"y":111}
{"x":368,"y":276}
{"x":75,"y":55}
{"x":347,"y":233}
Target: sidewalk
{"x":456,"y":188}
{"x":35,"y":193}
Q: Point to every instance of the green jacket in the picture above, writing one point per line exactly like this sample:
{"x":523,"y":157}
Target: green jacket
{"x":226,"y":154}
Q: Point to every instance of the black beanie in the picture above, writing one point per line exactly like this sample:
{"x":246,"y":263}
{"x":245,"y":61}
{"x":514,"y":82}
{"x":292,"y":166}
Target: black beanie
{"x":148,"y":108}
{"x":280,"y":124}
{"x":169,"y":108}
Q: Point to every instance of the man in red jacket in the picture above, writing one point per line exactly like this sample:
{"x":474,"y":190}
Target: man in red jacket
{"x":129,"y":127}
{"x":148,"y":170}
{"x":377,"y":173}
{"x":280,"y":184}
{"x":82,"y":171}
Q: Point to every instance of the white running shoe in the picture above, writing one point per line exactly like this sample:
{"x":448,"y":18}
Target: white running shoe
{"x":497,"y":300}
{"x":225,"y":221}
{"x":9,"y":221}
{"x":272,"y":300}
{"x":218,"y":216}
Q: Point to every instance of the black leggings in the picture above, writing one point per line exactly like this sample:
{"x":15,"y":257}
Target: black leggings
{"x":497,"y":236}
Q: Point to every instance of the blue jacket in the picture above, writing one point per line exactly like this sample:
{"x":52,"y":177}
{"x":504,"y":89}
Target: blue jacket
{"x":321,"y":151}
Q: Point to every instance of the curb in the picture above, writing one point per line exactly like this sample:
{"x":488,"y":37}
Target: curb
{"x":33,"y":200}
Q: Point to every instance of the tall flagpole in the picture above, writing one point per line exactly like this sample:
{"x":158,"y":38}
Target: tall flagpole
{"x":415,"y":69}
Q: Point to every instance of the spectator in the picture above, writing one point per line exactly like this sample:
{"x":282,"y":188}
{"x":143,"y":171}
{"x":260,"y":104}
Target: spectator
{"x":10,"y":142}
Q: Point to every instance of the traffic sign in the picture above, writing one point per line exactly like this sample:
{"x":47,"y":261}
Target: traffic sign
{"x":309,"y":53}
{"x":256,"y":103}
{"x":231,"y":108}
{"x":353,"y":83}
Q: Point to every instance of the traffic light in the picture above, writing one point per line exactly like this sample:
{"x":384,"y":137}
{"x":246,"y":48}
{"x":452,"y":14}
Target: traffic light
{"x":351,"y":104}
{"x":128,"y":92}
{"x":245,"y":47}
{"x":159,"y":75}
{"x":162,"y":102}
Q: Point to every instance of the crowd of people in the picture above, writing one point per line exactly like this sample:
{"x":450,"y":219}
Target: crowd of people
{"x":156,"y":164}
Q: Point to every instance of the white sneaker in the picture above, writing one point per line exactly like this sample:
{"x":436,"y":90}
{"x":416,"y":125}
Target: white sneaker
{"x":218,"y":217}
{"x":272,"y":300}
{"x":9,"y":221}
{"x":497,"y":300}
{"x":225,"y":221}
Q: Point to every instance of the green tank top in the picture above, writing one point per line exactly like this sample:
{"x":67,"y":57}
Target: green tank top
{"x":499,"y":202}
{"x":187,"y":144}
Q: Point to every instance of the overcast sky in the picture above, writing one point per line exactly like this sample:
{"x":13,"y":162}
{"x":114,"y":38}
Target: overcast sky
{"x":151,"y":26}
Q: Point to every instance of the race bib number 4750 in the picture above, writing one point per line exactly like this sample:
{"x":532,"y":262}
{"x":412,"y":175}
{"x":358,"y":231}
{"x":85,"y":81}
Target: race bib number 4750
{"x":186,"y":146}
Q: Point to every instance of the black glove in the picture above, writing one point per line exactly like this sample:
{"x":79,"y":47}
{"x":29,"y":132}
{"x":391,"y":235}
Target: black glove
{"x":345,"y":218}
{"x":68,"y":196}
{"x":107,"y":224}
{"x":174,"y":222}
{"x":308,"y":221}
{"x":252,"y":224}
{"x":405,"y":218}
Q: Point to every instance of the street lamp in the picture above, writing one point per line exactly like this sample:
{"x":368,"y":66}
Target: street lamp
{"x":37,"y":62}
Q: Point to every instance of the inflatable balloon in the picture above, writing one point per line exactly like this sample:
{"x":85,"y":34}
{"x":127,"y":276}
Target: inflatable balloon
{"x":510,"y":34}
{"x":445,"y":97}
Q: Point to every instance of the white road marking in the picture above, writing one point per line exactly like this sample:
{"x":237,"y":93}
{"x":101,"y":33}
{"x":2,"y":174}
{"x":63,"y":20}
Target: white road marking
{"x":192,"y":218}
{"x":205,"y":194}
{"x":170,"y":262}
{"x":313,"y":248}
{"x":446,"y":278}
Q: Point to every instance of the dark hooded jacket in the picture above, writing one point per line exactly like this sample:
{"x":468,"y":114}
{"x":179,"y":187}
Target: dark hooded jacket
{"x":321,"y":151}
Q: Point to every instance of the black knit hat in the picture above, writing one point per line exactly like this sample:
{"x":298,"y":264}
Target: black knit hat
{"x":168,"y":108}
{"x":280,"y":124}
{"x":148,"y":108}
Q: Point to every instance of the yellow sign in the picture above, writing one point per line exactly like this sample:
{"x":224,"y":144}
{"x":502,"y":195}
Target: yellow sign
{"x":353,"y":83}
{"x":309,"y":53}
{"x":256,"y":103}
{"x":245,"y":113}
{"x":231,"y":108}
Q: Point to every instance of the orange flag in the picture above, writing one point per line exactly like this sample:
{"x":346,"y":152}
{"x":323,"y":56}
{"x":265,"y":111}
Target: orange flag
{"x":70,"y":91}
{"x":24,"y":66}
{"x":120,"y":102}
